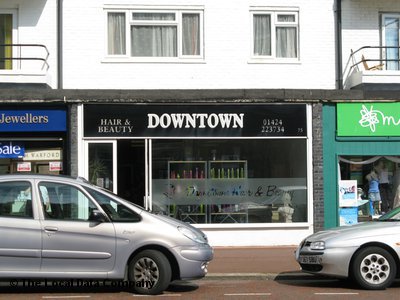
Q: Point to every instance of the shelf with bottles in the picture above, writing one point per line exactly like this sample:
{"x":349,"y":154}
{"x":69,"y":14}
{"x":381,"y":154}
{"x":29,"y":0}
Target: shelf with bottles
{"x":227,"y":169}
{"x":187,"y":169}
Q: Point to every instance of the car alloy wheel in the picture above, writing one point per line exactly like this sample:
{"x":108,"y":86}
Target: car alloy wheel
{"x":150,"y":272}
{"x":374,"y":268}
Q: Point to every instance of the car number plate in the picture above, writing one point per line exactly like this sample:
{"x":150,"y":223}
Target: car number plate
{"x":310,"y":259}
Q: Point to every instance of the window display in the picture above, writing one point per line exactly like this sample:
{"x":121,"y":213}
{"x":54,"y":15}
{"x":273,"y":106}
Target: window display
{"x":230,"y":181}
{"x":42,"y":157}
{"x":377,"y":179}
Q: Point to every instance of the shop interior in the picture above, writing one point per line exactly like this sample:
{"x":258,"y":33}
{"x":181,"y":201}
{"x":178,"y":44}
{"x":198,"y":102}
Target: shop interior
{"x":217,"y":165}
{"x":386,"y":169}
{"x":210,"y":180}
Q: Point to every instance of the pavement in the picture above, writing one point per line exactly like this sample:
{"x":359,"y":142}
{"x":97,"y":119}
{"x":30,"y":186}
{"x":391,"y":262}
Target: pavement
{"x":264,"y":262}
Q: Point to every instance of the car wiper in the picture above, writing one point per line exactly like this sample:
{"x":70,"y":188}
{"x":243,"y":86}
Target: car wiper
{"x":389,"y":220}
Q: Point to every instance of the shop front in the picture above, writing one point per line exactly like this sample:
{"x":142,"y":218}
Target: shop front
{"x":33,"y":140}
{"x":242,"y":173}
{"x":362,"y":161}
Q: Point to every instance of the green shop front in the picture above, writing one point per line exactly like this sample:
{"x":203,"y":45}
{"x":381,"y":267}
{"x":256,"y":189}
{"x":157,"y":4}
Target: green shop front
{"x":360,"y":139}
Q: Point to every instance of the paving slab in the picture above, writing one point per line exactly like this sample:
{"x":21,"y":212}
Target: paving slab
{"x":253,"y":261}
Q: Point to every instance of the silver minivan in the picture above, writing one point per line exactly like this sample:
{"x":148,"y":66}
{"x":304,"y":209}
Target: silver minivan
{"x":58,"y":227}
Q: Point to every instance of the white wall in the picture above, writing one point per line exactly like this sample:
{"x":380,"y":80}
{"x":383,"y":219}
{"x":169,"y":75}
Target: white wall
{"x":262,"y":237}
{"x":227,"y":50}
{"x":36,"y":22}
{"x":361,"y":26}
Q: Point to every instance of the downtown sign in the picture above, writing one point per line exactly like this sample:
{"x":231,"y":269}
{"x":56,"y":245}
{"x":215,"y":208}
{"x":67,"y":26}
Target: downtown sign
{"x":195,"y":120}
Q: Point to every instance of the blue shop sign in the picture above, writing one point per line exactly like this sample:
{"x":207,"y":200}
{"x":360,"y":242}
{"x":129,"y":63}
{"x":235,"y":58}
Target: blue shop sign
{"x":11,"y":150}
{"x":33,"y":120}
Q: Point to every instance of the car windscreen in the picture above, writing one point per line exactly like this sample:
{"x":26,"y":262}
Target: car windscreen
{"x":115,"y":210}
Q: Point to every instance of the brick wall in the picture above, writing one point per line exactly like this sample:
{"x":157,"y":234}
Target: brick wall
{"x":73,"y":140}
{"x":318,"y":195}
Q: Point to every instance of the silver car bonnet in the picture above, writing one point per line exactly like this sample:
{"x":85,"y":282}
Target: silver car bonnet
{"x":358,"y":231}
{"x":175,"y":222}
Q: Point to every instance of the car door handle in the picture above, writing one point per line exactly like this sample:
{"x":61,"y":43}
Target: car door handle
{"x":51,"y":228}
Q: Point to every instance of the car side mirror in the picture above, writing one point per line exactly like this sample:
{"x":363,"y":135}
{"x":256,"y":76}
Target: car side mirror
{"x":97,"y":216}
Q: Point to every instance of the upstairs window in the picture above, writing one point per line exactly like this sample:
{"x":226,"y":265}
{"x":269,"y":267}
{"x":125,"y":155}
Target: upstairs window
{"x":391,"y":40}
{"x":6,"y":27}
{"x":163,"y":34}
{"x":275,"y":34}
{"x":116,"y":33}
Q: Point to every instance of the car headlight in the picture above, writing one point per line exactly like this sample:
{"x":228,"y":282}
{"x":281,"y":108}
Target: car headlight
{"x":319,"y":245}
{"x":190,"y":234}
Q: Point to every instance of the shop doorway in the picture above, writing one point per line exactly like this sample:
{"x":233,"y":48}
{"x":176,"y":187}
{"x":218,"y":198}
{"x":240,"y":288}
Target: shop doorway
{"x":119,"y":166}
{"x":131,"y":170}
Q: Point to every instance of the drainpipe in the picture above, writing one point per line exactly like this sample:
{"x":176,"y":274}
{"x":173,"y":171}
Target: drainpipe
{"x":339,"y":69}
{"x":59,"y":44}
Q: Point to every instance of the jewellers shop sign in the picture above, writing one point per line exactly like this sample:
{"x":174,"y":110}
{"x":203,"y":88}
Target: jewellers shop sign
{"x":33,"y":120}
{"x":195,"y":120}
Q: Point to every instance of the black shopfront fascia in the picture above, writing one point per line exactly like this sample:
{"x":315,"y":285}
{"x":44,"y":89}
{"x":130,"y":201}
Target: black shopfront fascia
{"x":200,"y":120}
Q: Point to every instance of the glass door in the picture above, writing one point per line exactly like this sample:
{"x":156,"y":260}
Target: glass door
{"x":101,"y":166}
{"x":121,"y":166}
{"x":132,"y":166}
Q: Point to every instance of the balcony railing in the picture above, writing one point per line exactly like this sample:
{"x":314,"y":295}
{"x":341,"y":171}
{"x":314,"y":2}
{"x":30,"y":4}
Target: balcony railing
{"x":24,"y":56}
{"x":385,"y":60}
{"x":368,"y":57}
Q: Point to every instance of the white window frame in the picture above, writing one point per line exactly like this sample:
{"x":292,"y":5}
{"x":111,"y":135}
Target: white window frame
{"x":178,"y":11}
{"x":274,"y":12}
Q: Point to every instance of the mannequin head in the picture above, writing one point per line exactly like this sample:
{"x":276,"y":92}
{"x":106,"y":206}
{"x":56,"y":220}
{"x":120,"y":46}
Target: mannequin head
{"x":381,"y":165}
{"x":372,"y":175}
{"x":286,"y":199}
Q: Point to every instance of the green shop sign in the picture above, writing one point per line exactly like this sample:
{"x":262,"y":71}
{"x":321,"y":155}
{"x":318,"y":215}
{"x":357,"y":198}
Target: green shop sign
{"x":368,"y":119}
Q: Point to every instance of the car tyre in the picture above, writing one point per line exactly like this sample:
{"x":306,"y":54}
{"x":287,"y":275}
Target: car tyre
{"x":373,"y":268}
{"x":149,"y":272}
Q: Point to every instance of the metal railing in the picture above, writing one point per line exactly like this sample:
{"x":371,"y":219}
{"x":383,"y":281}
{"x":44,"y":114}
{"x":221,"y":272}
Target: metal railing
{"x":370,"y":58}
{"x":366,"y":55}
{"x":25,"y":53}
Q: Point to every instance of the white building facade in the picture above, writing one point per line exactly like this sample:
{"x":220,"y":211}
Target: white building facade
{"x":225,"y":54}
{"x":370,"y":44}
{"x":177,"y":111}
{"x":29,"y":42}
